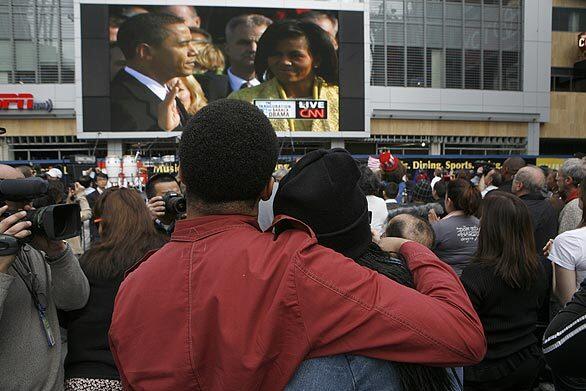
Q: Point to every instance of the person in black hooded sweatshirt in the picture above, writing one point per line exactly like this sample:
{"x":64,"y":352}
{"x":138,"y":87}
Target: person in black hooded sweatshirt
{"x":336,"y":210}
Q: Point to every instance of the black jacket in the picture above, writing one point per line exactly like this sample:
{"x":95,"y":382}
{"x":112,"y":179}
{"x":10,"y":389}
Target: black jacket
{"x":134,"y":107}
{"x":88,"y":354}
{"x":545,"y":226}
{"x":214,"y":86}
{"x":565,"y":338}
{"x":544,"y":219}
{"x":507,"y":186}
{"x":508,"y":315}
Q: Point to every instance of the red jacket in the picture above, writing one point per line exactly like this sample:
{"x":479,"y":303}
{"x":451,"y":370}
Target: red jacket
{"x":224,"y":306}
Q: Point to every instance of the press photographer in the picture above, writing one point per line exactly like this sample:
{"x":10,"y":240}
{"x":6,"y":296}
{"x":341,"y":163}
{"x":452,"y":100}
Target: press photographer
{"x":39,"y":276}
{"x":165,"y":201}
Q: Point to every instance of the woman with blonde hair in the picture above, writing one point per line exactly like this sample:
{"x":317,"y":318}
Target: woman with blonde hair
{"x":209,"y":58}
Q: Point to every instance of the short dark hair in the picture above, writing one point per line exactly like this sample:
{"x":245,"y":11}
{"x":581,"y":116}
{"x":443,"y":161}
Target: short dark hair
{"x":85,"y":181}
{"x":391,"y":190}
{"x":247,"y":20}
{"x":464,"y":196}
{"x":101,"y":175}
{"x":497,"y":178}
{"x":311,"y":16}
{"x":157,"y":178}
{"x":440,"y":188}
{"x":320,"y":46}
{"x":368,"y":182}
{"x":412,"y":227}
{"x":514,"y":164}
{"x":228,"y":152}
{"x":198,"y":30}
{"x":146,"y":28}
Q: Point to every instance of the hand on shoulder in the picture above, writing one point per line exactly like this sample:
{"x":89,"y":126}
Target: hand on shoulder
{"x":392,"y":244}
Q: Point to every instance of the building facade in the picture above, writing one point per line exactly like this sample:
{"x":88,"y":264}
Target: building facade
{"x":446,"y":77}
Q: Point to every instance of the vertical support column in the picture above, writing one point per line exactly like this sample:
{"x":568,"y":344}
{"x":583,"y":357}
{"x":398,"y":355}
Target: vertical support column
{"x":337,"y":143}
{"x":533,"y":129}
{"x":5,"y":152}
{"x":435,"y":148}
{"x":115,"y":148}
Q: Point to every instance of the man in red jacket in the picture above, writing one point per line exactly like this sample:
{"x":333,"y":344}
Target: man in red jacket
{"x":224,"y":306}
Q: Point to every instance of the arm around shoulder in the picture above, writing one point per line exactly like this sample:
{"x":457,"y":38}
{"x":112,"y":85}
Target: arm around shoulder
{"x":348,"y":308}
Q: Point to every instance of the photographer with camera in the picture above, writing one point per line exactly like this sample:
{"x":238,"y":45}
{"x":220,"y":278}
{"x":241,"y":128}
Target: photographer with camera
{"x":165,"y":202}
{"x":36,"y":278}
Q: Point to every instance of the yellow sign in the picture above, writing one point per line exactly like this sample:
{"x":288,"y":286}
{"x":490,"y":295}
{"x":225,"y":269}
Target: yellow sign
{"x":447,"y":165}
{"x":170,"y":168}
{"x":552,"y":162}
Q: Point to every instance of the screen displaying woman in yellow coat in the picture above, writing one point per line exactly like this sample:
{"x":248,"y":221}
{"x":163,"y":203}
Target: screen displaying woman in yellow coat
{"x":296,"y":61}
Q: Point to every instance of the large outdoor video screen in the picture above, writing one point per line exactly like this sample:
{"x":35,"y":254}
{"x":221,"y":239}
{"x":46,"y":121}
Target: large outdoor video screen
{"x":147,"y":68}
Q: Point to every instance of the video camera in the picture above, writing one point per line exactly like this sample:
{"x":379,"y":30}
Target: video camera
{"x":174,"y":203}
{"x":56,"y":222}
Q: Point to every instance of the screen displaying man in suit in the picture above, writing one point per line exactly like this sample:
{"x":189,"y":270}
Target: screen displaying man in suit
{"x":157,"y":48}
{"x":242,"y":35}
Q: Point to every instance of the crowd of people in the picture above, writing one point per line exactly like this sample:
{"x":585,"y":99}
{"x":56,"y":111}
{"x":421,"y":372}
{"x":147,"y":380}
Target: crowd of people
{"x":165,"y":67}
{"x":357,"y":279}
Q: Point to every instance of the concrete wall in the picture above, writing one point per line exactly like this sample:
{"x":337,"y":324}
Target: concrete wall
{"x":448,"y":128}
{"x":534,"y":99}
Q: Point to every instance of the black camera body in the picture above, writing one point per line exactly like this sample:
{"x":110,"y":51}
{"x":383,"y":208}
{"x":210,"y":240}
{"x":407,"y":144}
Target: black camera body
{"x":56,"y":222}
{"x":174,"y":203}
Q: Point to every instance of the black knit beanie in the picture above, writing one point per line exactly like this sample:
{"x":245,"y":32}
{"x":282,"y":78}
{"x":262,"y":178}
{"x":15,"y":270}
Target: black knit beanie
{"x":322,"y":191}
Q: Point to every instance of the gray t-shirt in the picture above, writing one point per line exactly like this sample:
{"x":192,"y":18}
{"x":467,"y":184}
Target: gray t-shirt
{"x":456,"y":240}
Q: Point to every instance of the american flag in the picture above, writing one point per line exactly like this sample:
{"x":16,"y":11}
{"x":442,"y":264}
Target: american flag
{"x":373,"y":163}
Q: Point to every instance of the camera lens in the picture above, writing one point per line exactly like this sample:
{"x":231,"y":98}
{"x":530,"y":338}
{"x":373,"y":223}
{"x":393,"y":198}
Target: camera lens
{"x":174,"y":203}
{"x":177,"y":204}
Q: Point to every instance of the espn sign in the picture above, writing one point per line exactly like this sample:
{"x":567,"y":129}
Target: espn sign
{"x":23,"y":102}
{"x":582,"y":42}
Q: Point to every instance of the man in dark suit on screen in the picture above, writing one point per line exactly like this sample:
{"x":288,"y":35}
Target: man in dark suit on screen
{"x":242,"y":35}
{"x":157,"y":48}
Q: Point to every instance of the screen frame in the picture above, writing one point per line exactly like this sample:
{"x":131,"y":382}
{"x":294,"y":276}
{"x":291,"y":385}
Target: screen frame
{"x":289,"y":4}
